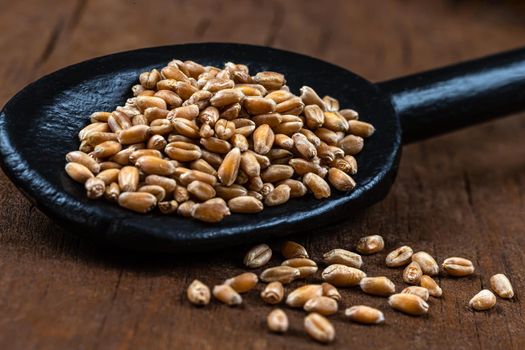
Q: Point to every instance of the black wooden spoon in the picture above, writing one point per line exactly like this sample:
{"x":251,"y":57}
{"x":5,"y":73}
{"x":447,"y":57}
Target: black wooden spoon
{"x":40,"y":124}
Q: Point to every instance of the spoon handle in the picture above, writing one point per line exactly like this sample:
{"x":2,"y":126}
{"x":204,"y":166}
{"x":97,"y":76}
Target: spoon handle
{"x":444,"y":99}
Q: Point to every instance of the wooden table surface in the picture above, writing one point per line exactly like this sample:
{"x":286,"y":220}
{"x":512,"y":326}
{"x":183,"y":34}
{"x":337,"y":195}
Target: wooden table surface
{"x":461,"y":194}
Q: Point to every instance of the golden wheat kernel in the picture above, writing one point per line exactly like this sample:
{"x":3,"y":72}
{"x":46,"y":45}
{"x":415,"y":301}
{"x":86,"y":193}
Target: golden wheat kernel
{"x":212,"y":211}
{"x":410,"y":304}
{"x":349,"y":114}
{"x":322,"y":305}
{"x":278,"y":172}
{"x":283,"y":141}
{"x":195,"y":175}
{"x":412,"y":273}
{"x":305,"y":148}
{"x":201,"y":190}
{"x":277,"y":321}
{"x":173,"y":72}
{"x":140,"y":202}
{"x":250,"y":165}
{"x":123,"y":157}
{"x":85,"y":147}
{"x":344,"y":257}
{"x":311,"y":136}
{"x":365,"y":315}
{"x":270,"y":80}
{"x":137,"y":89}
{"x":190,"y":113}
{"x":168,"y":207}
{"x":181,"y":194}
{"x":144,"y":102}
{"x":427,"y":263}
{"x":157,"y":191}
{"x":229,"y":168}
{"x":342,"y":275}
{"x":229,"y":192}
{"x":94,"y":127}
{"x":161,"y":127}
{"x":149,"y":79}
{"x":482,"y":301}
{"x":258,"y":105}
{"x":314,"y":116}
{"x":97,"y":137}
{"x":458,"y":267}
{"x":280,"y":195}
{"x":329,"y":153}
{"x":335,"y":122}
{"x":201,"y":99}
{"x":263,"y":138}
{"x":167,"y":183}
{"x":78,"y":172}
{"x":283,"y":274}
{"x":224,"y":129}
{"x":106,"y":149}
{"x":95,"y":187}
{"x":319,"y":328}
{"x":429,"y":283}
{"x":185,"y":127}
{"x":501,"y":285}
{"x":135,"y":134}
{"x":292,"y":106}
{"x":156,"y":142}
{"x":370,"y":244}
{"x":128,"y":179}
{"x":139,"y":153}
{"x":82,"y":158}
{"x":112,"y":192}
{"x":172,"y":99}
{"x":109,"y":165}
{"x":310,"y":97}
{"x":185,"y":208}
{"x":331,"y":103}
{"x":351,"y":144}
{"x":198,"y":293}
{"x":109,"y":175}
{"x":258,"y":256}
{"x":273,"y":293}
{"x":306,"y":267}
{"x":291,"y":249}
{"x":183,"y":151}
{"x":280,"y":95}
{"x":227,"y":295}
{"x":340,"y":180}
{"x":203,"y":166}
{"x":399,"y":257}
{"x":154,"y":165}
{"x":216,"y":145}
{"x":297,"y":188}
{"x":245,"y":204}
{"x":328,"y":136}
{"x":299,"y":296}
{"x":360,"y":128}
{"x":317,"y":185}
{"x":381,"y":286}
{"x":242,"y":283}
{"x":421,"y":292}
{"x":99,"y":117}
{"x":118,"y":121}
{"x":330,"y":291}
{"x":218,"y":84}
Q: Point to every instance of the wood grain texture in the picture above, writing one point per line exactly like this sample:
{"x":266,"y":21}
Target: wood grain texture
{"x":461,"y":194}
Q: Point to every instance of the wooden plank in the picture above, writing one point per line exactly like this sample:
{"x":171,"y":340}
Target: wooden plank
{"x":461,"y":194}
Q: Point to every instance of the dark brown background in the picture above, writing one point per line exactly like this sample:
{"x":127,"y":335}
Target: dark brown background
{"x":461,"y":194}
